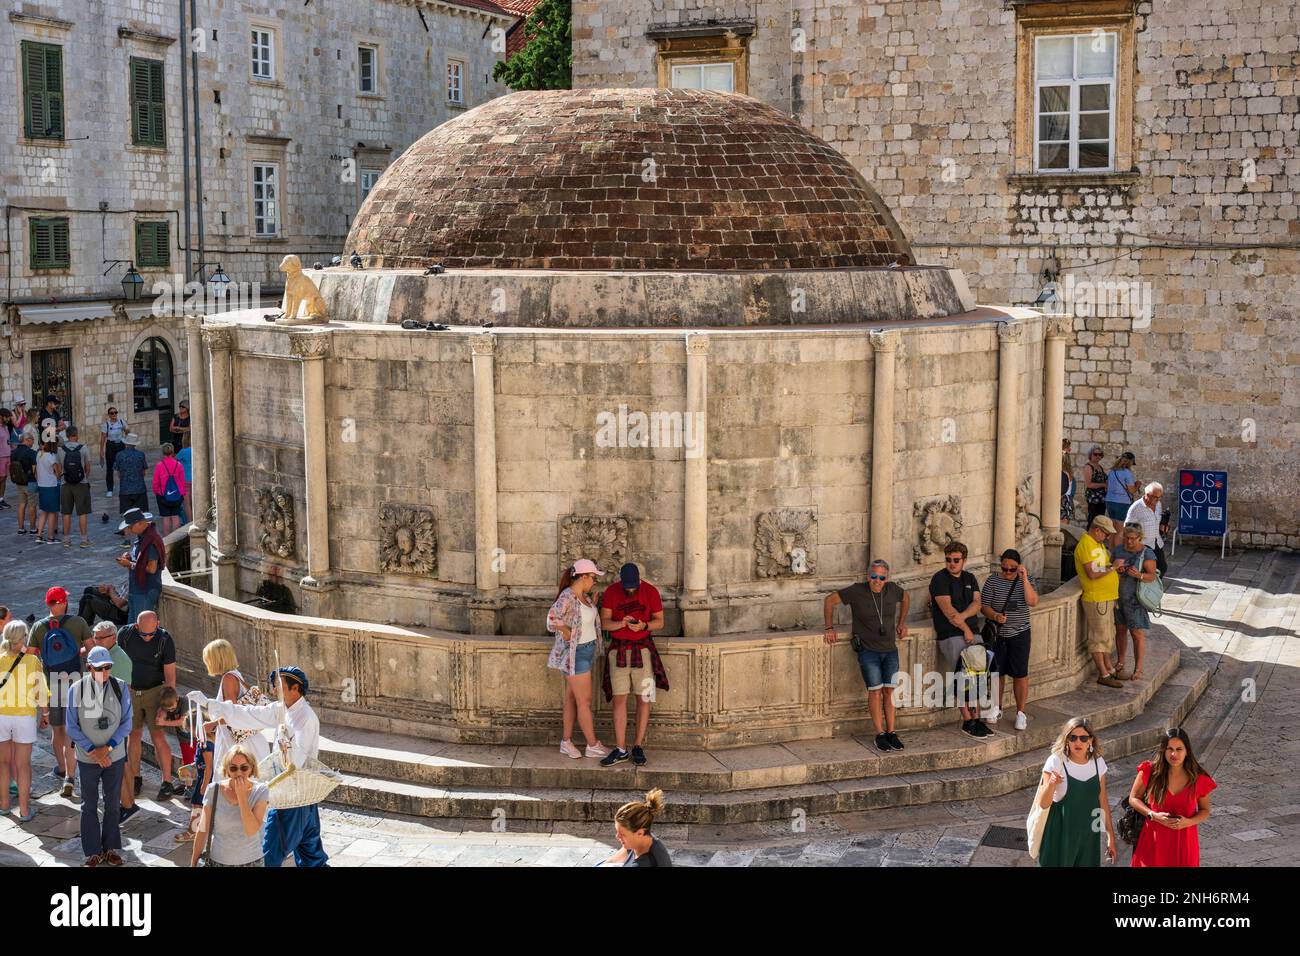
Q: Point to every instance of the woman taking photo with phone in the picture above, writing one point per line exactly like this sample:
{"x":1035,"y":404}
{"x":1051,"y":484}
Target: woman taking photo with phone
{"x":574,"y":620}
{"x":1074,"y":786}
{"x":1173,"y":793}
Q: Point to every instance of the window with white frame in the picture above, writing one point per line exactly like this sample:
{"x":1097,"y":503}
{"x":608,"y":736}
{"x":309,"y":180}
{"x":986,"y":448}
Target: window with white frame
{"x":367,"y":69}
{"x":368,"y":179}
{"x":263,"y":51}
{"x":455,"y":81}
{"x":1074,"y":102}
{"x":266,"y":199}
{"x":705,"y":76}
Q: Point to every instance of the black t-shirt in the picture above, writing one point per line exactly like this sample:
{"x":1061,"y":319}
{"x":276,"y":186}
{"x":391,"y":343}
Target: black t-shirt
{"x":962,"y":592}
{"x":875,"y":616}
{"x":147,"y":657}
{"x":179,"y":441}
{"x":657,"y":855}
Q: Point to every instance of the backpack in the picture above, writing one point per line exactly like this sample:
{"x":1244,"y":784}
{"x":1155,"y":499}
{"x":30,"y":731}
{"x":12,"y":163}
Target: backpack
{"x":74,"y":469}
{"x":172,"y":493}
{"x":59,"y":652}
{"x":18,"y":472}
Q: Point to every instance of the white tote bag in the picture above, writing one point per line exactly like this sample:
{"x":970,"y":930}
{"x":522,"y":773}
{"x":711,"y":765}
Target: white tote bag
{"x":1036,"y":822}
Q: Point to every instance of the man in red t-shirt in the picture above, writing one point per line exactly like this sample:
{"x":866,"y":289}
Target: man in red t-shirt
{"x":630,"y":610}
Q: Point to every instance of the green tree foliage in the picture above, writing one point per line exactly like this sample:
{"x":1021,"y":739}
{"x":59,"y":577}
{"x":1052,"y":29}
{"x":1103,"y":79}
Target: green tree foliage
{"x":546,"y":60}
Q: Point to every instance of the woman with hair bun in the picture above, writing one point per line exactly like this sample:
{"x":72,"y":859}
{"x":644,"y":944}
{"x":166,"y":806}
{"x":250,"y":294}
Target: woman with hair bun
{"x":638,"y":847}
{"x":1173,"y":793}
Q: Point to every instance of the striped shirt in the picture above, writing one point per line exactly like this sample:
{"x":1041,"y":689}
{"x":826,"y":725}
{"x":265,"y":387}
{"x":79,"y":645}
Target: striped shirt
{"x":1139,"y":513}
{"x":994,"y":594}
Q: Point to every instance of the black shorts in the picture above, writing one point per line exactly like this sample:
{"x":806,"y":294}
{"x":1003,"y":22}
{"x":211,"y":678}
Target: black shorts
{"x":166,"y":510}
{"x":1014,"y":661}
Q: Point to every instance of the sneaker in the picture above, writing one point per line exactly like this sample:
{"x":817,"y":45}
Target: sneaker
{"x":967,"y":726}
{"x":894,"y":741}
{"x":638,"y":756}
{"x":596,"y":750}
{"x":22,"y":530}
{"x":139,"y":785}
{"x":1021,"y":720}
{"x":67,"y":542}
{"x":85,"y":543}
{"x":95,"y":859}
{"x":108,"y":494}
{"x":1109,"y":681}
{"x":883,"y":744}
{"x":67,"y":788}
{"x":567,"y":748}
{"x":617,"y":755}
{"x":997,"y":715}
{"x":981,"y":729}
{"x":113,"y":858}
{"x":128,"y":813}
{"x":4,"y":504}
{"x":167,"y":791}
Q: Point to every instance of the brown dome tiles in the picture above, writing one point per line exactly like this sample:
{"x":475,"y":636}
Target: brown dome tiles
{"x":557,"y":180}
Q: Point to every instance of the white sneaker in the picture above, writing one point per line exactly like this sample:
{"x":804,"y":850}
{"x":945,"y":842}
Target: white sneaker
{"x":1021,"y":720}
{"x":994,"y":718}
{"x":108,"y":494}
{"x":596,"y":750}
{"x":567,"y":748}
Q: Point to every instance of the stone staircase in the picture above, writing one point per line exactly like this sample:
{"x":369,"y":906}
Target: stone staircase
{"x":409,"y":775}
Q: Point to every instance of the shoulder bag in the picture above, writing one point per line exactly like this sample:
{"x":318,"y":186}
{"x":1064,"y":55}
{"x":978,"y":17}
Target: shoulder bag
{"x":18,"y":659}
{"x":991,"y":632}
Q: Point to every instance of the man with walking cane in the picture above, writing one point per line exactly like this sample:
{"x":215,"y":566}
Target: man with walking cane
{"x":296,"y":829}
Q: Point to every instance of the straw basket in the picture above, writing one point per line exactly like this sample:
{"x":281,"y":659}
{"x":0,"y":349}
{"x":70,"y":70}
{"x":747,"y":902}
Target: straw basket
{"x":300,"y":786}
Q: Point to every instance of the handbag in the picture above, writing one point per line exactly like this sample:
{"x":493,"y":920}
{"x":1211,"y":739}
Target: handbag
{"x":1151,"y":593}
{"x":1130,"y":823}
{"x":991,"y":631}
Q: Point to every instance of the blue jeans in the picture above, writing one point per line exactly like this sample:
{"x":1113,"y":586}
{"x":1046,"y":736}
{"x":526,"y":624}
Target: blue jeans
{"x":879,"y":668}
{"x":136,"y":602}
{"x":295,"y":831}
{"x":99,"y":837}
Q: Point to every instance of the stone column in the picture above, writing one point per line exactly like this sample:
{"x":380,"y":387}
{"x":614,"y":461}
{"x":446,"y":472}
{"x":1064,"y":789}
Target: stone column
{"x":1056,"y":330}
{"x":220,"y":341}
{"x":313,"y":348}
{"x":1007,"y":473}
{"x":200,"y":470}
{"x":695,"y":518}
{"x":885,"y":347}
{"x":485,"y":607}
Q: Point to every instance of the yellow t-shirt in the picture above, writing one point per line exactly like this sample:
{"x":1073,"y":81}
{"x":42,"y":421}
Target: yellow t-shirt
{"x":1104,"y":588}
{"x":26,"y":689}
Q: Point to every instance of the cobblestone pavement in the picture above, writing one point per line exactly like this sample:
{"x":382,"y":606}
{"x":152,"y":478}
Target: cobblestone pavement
{"x":1243,"y":613}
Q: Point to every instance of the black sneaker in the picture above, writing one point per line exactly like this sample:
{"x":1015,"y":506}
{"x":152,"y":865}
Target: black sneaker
{"x":894,"y":741}
{"x":167,"y":791}
{"x":617,"y":755}
{"x":980,"y":729}
{"x":139,"y":785}
{"x":968,"y":728}
{"x":128,"y":813}
{"x":638,"y":756}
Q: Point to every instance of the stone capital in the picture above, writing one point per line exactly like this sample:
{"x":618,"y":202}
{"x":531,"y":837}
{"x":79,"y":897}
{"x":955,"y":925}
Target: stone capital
{"x":310,"y":345}
{"x":219,"y":337}
{"x":697,"y":344}
{"x":484,"y":343}
{"x":1011,"y":333}
{"x":1058,"y":327}
{"x":883,"y":341}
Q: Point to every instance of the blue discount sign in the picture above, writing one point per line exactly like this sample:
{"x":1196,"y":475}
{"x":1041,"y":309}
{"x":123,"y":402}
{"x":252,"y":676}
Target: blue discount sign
{"x":1202,"y":502}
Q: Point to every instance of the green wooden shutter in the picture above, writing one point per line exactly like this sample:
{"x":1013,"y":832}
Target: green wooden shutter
{"x":42,"y":90}
{"x":48,"y":244}
{"x":148,"y":106}
{"x":153,"y":244}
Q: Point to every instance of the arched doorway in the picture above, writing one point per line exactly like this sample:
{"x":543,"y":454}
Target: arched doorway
{"x":152,"y":386}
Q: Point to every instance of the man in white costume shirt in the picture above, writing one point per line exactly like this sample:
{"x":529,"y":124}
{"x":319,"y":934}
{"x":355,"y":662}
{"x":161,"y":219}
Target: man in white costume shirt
{"x":297,"y":829}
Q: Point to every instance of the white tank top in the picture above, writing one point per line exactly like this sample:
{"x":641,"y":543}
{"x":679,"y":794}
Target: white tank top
{"x":589,"y":629}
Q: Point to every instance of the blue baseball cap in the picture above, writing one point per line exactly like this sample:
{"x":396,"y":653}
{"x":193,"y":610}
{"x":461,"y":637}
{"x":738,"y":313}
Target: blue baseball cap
{"x":630,"y":576}
{"x":293,"y":673}
{"x":99,"y":657}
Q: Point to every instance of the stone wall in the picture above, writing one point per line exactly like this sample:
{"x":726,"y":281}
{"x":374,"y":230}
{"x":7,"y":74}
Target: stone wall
{"x":920,"y":96}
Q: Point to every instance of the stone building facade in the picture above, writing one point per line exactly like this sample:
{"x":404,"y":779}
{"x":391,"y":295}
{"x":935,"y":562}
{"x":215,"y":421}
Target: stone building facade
{"x":300,"y":109}
{"x":1172,"y":235}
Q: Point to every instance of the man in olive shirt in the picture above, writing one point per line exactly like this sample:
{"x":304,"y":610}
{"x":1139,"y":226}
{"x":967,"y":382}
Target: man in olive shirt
{"x":879,"y":610}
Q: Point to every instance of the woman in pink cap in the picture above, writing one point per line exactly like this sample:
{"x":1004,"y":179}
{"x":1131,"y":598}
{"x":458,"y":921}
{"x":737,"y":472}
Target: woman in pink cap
{"x":574,"y":619}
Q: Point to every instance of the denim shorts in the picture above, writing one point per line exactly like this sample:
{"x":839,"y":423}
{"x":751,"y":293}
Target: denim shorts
{"x":1116,"y":511}
{"x":879,"y":668}
{"x":583,"y":656}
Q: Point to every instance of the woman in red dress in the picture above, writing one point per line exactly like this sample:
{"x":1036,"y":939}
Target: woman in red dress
{"x":1173,"y":793}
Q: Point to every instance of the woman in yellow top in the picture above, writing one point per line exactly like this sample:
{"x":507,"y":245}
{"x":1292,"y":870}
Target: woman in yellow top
{"x":23,"y":695}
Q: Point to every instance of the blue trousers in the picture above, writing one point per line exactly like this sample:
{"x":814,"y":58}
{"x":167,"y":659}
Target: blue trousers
{"x":296,"y":831}
{"x":138,"y":602}
{"x":99,"y":837}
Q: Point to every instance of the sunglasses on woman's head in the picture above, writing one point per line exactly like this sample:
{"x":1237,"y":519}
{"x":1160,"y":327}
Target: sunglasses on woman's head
{"x":1079,"y":738}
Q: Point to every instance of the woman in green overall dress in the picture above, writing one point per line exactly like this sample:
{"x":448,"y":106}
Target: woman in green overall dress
{"x":1074,"y":784}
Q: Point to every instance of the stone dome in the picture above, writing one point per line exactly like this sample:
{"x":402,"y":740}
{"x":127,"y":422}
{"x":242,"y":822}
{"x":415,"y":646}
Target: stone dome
{"x":625,"y":180}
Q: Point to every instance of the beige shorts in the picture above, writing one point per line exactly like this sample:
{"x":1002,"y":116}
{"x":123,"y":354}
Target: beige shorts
{"x":632,"y":680}
{"x":1099,"y":625}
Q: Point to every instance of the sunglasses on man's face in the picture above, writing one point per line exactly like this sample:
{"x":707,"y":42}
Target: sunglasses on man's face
{"x":880,"y":577}
{"x":954,"y":560}
{"x":1079,"y":738}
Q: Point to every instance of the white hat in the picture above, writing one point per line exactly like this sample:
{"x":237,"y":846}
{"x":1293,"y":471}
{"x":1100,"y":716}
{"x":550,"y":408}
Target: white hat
{"x":19,"y":400}
{"x":131,"y":438}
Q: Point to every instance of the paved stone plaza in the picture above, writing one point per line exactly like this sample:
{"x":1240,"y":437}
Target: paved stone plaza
{"x":1243,"y":613}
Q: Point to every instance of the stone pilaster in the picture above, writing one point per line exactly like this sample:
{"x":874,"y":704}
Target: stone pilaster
{"x":220,"y":341}
{"x":885,"y":348}
{"x":695,"y":518}
{"x":1006,"y":471}
{"x":313,"y":348}
{"x":1055,"y":332}
{"x":200,"y":456}
{"x":485,"y":607}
